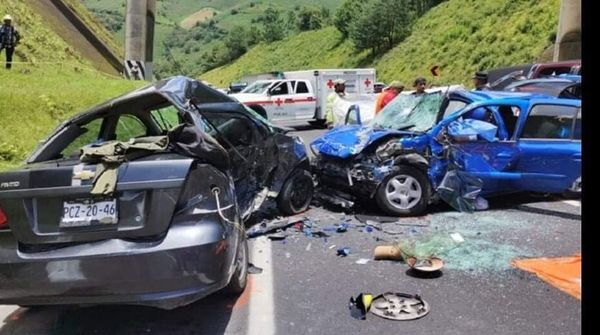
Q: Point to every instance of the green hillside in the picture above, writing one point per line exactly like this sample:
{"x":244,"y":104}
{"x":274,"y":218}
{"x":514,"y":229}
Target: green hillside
{"x":39,"y":43}
{"x":461,"y":36}
{"x":36,"y":97}
{"x":189,"y":34}
{"x":314,"y":49}
{"x":35,"y":100}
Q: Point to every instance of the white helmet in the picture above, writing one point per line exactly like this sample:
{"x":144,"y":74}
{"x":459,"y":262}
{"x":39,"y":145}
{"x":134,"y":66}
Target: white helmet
{"x":7,"y":18}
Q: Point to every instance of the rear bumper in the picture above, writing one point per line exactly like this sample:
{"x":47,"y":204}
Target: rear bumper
{"x":189,"y":263}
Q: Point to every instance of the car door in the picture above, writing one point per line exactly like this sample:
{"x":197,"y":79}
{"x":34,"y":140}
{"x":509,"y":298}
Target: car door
{"x":550,"y":146}
{"x":279,"y":94}
{"x":303,"y":102}
{"x":236,"y":133}
{"x":493,"y":162}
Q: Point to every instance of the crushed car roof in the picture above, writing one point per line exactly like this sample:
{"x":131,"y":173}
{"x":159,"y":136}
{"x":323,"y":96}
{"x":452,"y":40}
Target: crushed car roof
{"x":178,"y":90}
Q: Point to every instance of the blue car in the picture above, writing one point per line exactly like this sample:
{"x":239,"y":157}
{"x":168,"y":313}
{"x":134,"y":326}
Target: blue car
{"x":492,"y":142}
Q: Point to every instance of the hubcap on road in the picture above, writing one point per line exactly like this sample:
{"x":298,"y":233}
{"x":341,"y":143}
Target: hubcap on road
{"x":403,"y":191}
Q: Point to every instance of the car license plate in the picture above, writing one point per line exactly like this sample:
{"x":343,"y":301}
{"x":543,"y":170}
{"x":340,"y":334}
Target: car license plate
{"x":87,"y":212}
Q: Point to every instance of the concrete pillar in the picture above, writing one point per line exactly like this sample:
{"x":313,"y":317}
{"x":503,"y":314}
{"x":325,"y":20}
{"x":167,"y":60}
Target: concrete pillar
{"x":568,"y":37}
{"x":139,"y":38}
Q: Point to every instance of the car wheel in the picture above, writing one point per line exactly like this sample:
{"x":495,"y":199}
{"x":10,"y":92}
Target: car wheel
{"x":296,"y":193}
{"x":260,"y":111}
{"x":238,"y":281}
{"x":404,"y":193}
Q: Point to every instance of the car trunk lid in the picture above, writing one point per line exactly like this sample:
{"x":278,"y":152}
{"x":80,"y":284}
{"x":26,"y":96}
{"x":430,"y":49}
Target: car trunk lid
{"x":51,"y":203}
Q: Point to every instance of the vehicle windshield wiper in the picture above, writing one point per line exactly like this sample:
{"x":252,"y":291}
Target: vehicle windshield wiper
{"x":406,"y":127}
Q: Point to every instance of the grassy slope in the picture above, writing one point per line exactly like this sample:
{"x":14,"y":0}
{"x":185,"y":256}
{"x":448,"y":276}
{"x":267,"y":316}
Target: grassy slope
{"x":461,"y":36}
{"x":172,"y":12}
{"x":314,"y":49}
{"x":101,"y":32}
{"x":34,"y":101}
{"x":36,"y":98}
{"x":38,"y":42}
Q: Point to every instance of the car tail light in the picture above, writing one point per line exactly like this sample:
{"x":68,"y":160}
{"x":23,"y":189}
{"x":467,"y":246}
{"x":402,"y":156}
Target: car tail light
{"x":3,"y":220}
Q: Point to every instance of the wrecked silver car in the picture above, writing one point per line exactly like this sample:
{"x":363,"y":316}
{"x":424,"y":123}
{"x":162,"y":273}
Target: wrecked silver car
{"x":141,"y":200}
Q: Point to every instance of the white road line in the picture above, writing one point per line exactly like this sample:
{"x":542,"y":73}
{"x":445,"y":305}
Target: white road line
{"x":5,"y":311}
{"x":261,"y":312}
{"x":572,"y":203}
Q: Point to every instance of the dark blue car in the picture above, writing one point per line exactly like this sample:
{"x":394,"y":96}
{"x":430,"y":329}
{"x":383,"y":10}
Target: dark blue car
{"x":508,"y":142}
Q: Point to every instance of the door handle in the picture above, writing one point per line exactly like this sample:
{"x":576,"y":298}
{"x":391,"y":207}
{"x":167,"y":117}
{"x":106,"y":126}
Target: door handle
{"x":288,"y":100}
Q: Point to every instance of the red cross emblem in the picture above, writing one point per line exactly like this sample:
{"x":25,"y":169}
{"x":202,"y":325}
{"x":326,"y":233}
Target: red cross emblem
{"x":367,"y":82}
{"x":330,"y":84}
{"x":278,"y":102}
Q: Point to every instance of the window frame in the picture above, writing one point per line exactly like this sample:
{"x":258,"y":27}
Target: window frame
{"x":531,"y":109}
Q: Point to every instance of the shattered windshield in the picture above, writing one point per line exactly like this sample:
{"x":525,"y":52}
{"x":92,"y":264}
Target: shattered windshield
{"x":410,"y":112}
{"x":257,"y":87}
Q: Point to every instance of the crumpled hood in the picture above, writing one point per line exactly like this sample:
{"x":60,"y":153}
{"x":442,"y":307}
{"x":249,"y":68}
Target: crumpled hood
{"x":346,"y":141}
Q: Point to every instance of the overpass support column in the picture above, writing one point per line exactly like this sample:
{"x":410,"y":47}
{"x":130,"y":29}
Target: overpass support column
{"x":139,"y":38}
{"x":568,"y":37}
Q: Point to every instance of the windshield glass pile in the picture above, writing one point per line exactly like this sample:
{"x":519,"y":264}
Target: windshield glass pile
{"x":410,"y":112}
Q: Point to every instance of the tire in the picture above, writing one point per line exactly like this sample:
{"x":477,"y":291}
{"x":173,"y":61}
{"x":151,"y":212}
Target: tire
{"x":238,"y":281}
{"x":260,"y":111}
{"x":296,"y":193}
{"x":404,"y":193}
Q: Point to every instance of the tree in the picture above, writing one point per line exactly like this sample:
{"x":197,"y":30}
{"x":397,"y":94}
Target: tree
{"x":309,"y":19}
{"x":236,"y":43}
{"x":347,"y":15}
{"x":273,"y":25}
{"x":384,"y":24}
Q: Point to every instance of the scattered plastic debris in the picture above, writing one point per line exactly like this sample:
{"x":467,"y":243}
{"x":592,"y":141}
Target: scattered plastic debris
{"x":363,"y":261}
{"x":457,"y":237}
{"x":359,"y":306}
{"x":342,"y":228}
{"x":343,"y":252}
{"x":308,"y":246}
{"x":266,"y":227}
{"x":319,"y":234}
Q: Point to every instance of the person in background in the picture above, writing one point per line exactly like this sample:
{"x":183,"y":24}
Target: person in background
{"x":9,"y":39}
{"x":339,"y":91}
{"x":420,"y":84}
{"x":388,"y":94}
{"x":480,"y":80}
